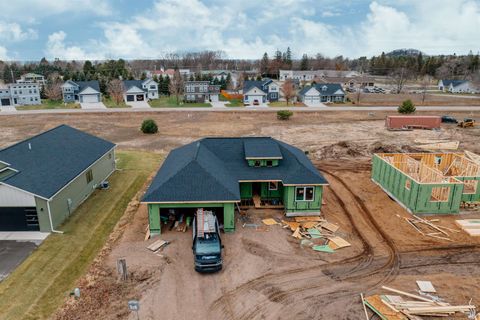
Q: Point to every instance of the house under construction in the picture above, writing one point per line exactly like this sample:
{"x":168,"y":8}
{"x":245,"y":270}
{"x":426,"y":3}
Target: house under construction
{"x":428,"y":182}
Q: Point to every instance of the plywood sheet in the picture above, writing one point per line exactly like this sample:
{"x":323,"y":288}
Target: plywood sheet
{"x":375,"y":303}
{"x":329,"y":226}
{"x":426,"y":286}
{"x":339,"y":242}
{"x":269,"y":221}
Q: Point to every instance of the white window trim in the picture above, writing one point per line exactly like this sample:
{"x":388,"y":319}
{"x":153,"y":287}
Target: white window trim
{"x":304,"y":194}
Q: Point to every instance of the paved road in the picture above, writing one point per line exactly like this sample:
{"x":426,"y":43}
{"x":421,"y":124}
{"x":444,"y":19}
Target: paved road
{"x":12,"y":253}
{"x":242,"y":109}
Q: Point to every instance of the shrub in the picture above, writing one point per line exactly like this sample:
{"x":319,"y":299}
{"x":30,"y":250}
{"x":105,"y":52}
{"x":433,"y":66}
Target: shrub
{"x":407,"y":107}
{"x":284,"y":114}
{"x":149,"y":126}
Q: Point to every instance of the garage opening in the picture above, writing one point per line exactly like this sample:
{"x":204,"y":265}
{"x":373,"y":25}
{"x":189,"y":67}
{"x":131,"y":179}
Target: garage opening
{"x":140,"y":97}
{"x":19,"y":219}
{"x":130,"y":97}
{"x":172,"y":217}
{"x":5,"y":102}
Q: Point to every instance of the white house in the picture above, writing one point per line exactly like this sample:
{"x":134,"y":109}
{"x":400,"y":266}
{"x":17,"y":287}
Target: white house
{"x":455,"y":86}
{"x":140,"y":90}
{"x":81,"y":91}
{"x":32,"y":78}
{"x":309,"y":75}
{"x":324,"y":92}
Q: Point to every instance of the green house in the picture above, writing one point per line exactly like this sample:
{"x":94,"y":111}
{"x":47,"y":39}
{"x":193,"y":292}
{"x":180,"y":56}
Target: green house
{"x":428,"y":182}
{"x":45,"y":178}
{"x":222,"y":174}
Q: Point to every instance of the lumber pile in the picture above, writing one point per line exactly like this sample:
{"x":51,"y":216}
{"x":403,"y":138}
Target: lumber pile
{"x":408,"y":306}
{"x":440,"y":145}
{"x":429,"y":228}
{"x":470,"y":226}
{"x":316,"y":233}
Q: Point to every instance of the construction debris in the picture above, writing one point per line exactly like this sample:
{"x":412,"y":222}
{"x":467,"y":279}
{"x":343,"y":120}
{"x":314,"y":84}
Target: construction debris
{"x":429,"y":229}
{"x":323,"y":248}
{"x":446,"y":145}
{"x":395,"y":307}
{"x":270,"y":222}
{"x":157,"y":245}
{"x":470,"y":226}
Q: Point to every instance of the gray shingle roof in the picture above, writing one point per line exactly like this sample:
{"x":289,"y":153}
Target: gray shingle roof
{"x":133,"y":83}
{"x":56,"y":157}
{"x":247,"y":85}
{"x":210,"y":170}
{"x":261,"y":148}
{"x":331,"y":88}
{"x":85,"y":84}
{"x":453,"y":82}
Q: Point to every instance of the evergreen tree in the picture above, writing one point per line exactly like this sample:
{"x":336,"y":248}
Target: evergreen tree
{"x":304,"y":62}
{"x":259,"y":78}
{"x":192,"y":78}
{"x":264,"y":64}
{"x":160,"y":85}
{"x":143,"y":76}
{"x":228,"y":81}
{"x":288,"y":57}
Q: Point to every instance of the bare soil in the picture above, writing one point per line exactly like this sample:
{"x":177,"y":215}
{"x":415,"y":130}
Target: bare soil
{"x":267,"y":274}
{"x":438,"y":99}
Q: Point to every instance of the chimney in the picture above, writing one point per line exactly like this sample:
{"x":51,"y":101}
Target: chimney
{"x":29,"y":146}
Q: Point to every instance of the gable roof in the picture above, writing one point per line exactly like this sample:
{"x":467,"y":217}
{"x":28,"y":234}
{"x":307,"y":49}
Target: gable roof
{"x":331,"y":89}
{"x":261,"y":149}
{"x":210,"y":170}
{"x":133,"y":83}
{"x":82,"y":85}
{"x":249,"y":84}
{"x":454,"y":83}
{"x":49,"y":161}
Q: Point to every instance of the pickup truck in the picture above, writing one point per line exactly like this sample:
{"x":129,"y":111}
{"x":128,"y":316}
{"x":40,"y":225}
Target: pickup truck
{"x":207,"y":245}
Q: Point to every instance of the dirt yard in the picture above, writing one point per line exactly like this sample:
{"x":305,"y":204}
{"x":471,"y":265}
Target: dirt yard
{"x":267,"y":274}
{"x":437,"y":99}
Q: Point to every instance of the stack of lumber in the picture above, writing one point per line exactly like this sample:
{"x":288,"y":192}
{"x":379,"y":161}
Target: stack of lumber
{"x":470,"y":226}
{"x":317,"y":233}
{"x":397,"y":307}
{"x":429,"y":228}
{"x":439,"y":145}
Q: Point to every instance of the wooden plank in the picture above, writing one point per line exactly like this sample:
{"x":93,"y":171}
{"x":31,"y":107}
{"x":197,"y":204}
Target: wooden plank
{"x":157,"y":245}
{"x":382,"y":310}
{"x":302,"y":219}
{"x":270,"y":222}
{"x":426,"y":286}
{"x":364,"y":308}
{"x":469,"y":223}
{"x":451,"y":145}
{"x":296,"y":233}
{"x":329,"y":226}
{"x":291,"y":224}
{"x":440,"y":309}
{"x":339,"y":242}
{"x":473,"y":232}
{"x":309,"y":224}
{"x":414,"y":296}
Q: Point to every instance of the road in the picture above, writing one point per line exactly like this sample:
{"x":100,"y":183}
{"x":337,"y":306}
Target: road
{"x":239,"y":109}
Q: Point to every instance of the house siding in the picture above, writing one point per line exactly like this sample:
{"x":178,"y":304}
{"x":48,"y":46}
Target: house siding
{"x":292,"y":206}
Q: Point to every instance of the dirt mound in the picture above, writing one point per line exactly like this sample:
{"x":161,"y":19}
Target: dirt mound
{"x":348,"y":149}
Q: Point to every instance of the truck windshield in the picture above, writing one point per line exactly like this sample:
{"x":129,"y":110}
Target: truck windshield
{"x":208,"y":244}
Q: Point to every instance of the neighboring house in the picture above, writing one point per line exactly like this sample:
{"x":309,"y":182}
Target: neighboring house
{"x":262,"y":91}
{"x":309,"y":75}
{"x":32,"y":78}
{"x":140,"y":90}
{"x":221,"y":174}
{"x":17,"y":94}
{"x":455,"y":86}
{"x":219,"y":74}
{"x":44,"y":178}
{"x":429,"y":183}
{"x":322,"y":92}
{"x":81,"y":91}
{"x":200,"y":91}
{"x":349,"y":83}
{"x":167,"y":72}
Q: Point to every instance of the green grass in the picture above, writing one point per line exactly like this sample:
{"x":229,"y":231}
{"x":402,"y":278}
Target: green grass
{"x":235,"y":103}
{"x":110,"y":103}
{"x":171,"y":102}
{"x":50,"y":104}
{"x":283,"y":104}
{"x":40,"y":284}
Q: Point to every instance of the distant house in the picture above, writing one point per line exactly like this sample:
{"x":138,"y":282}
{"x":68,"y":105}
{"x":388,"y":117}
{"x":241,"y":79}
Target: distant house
{"x":32,"y":78}
{"x":323,"y":92}
{"x":200,"y":91}
{"x":167,"y":72}
{"x":309,"y":75}
{"x":45,"y":178}
{"x":81,"y":91}
{"x":262,"y":91}
{"x":140,"y":90}
{"x":455,"y":86}
{"x":15,"y":94}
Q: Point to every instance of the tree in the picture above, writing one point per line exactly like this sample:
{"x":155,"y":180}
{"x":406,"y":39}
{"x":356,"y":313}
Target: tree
{"x":407,"y":107}
{"x":288,"y":89}
{"x":176,"y":85}
{"x":149,"y":126}
{"x":284,"y":114}
{"x":115,"y":90}
{"x":426,"y":79}
{"x":304,"y":62}
{"x":53,"y":90}
{"x":288,"y":57}
{"x":228,"y":81}
{"x":264,"y":64}
{"x":143,"y":76}
{"x":398,"y":77}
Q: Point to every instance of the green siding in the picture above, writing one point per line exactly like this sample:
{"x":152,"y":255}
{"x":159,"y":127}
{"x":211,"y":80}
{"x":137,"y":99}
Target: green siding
{"x":417,"y":199}
{"x":291,"y":205}
{"x":246,"y":190}
{"x":154,"y":213}
{"x":77,"y":191}
{"x":265,"y":193}
{"x":263,"y":162}
{"x":474,"y":197}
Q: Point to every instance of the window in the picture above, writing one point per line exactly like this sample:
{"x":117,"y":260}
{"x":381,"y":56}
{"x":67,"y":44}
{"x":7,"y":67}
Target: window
{"x":408,"y":184}
{"x":470,"y":186}
{"x":273,"y":185}
{"x":438,"y":160}
{"x":258,"y":163}
{"x":304,"y":194}
{"x":269,"y":163}
{"x":89,"y":176}
{"x":440,"y":194}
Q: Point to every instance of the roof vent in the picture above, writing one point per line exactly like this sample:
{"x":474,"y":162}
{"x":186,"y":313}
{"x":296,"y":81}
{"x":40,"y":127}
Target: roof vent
{"x":29,"y":146}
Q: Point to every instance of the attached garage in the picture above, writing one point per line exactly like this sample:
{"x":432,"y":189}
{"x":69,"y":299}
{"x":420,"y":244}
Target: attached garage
{"x":130,"y":97}
{"x":89,"y":98}
{"x":312,"y":99}
{"x":19,"y":219}
{"x":5,"y":102}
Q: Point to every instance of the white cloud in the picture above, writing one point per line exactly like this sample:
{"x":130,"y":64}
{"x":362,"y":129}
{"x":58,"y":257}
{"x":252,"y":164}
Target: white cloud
{"x":14,"y":32}
{"x":56,"y":48}
{"x":43,"y":8}
{"x":3,"y":54}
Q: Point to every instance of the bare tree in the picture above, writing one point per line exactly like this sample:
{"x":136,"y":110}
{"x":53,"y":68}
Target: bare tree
{"x":176,"y":85}
{"x":426,"y":80}
{"x":398,"y":78}
{"x":53,"y":88}
{"x":116,"y":89}
{"x":288,"y":90}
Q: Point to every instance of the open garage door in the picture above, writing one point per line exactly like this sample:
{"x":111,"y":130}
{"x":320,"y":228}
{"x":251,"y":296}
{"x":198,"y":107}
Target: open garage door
{"x":19,"y":219}
{"x":170,"y":215}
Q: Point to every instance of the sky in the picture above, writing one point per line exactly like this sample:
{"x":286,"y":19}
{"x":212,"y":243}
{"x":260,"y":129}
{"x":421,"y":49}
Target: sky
{"x":149,"y":29}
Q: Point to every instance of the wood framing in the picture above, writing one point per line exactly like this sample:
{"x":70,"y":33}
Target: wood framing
{"x":428,"y":182}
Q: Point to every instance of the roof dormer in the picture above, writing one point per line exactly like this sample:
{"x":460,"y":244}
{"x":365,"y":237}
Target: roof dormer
{"x":262,"y":152}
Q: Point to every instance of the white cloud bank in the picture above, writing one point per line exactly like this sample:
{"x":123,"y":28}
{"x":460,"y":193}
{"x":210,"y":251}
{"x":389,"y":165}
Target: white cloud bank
{"x":13,"y":32}
{"x":435,"y":27}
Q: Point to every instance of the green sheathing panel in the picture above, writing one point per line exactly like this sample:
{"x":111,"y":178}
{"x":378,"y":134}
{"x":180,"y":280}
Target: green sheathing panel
{"x":471,"y":197}
{"x":265,"y":193}
{"x":417,"y":197}
{"x":246,"y":190}
{"x":42,"y":212}
{"x":154,"y":213}
{"x":263,"y":162}
{"x":70,"y":197}
{"x":302,"y":206}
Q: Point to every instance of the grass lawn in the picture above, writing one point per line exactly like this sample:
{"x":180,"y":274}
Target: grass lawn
{"x":40,"y":284}
{"x":234,"y":103}
{"x":283,"y":104}
{"x":171,"y":102}
{"x":50,"y":104}
{"x":110,"y":103}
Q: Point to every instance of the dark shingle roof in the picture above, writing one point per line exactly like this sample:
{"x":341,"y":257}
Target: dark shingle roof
{"x":133,"y":83}
{"x":56,"y":157}
{"x":261,"y":148}
{"x":85,"y":84}
{"x":453,"y":82}
{"x":210,"y":170}
{"x":331,"y":88}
